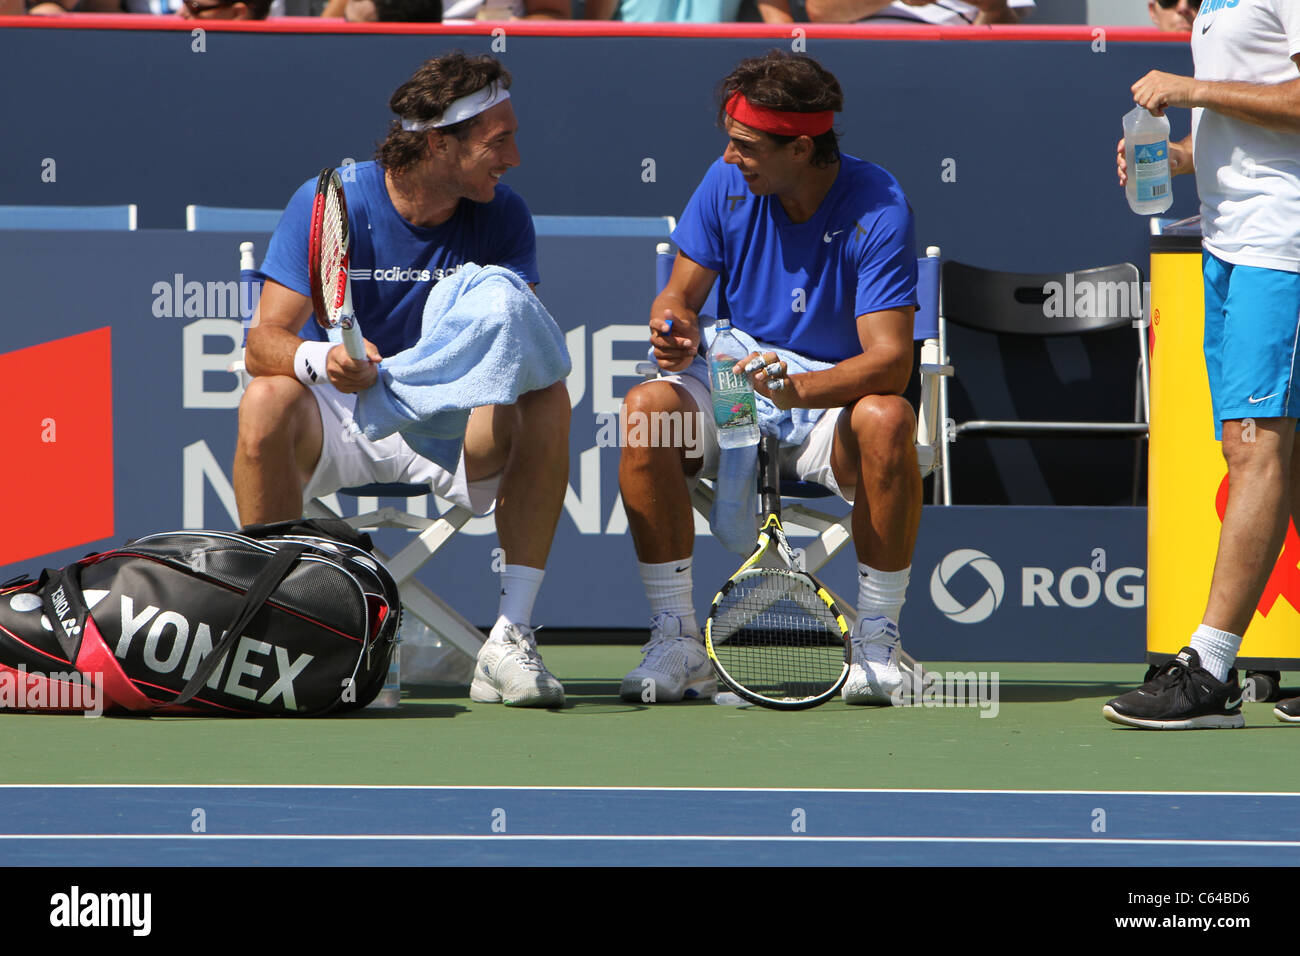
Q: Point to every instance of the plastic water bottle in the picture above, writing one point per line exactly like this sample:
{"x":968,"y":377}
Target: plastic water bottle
{"x":734,"y":406}
{"x":1146,"y":152}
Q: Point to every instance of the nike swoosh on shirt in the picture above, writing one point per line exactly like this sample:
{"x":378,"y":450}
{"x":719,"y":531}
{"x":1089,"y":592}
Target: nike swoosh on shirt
{"x":831,"y":235}
{"x":1206,"y":28}
{"x":1255,"y":401}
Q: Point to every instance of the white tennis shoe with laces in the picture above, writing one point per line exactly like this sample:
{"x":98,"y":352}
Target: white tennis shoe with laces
{"x":874,"y":676}
{"x":509,"y":670}
{"x":675,"y":666}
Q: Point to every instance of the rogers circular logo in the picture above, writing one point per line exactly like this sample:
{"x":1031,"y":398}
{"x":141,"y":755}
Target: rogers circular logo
{"x":985,"y":604}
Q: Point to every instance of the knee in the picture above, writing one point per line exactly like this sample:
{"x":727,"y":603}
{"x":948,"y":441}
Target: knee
{"x":547,"y":409}
{"x":269,"y":409}
{"x":644,"y":405}
{"x":1251,"y":447}
{"x":650,"y":397}
{"x":883,"y":425}
{"x":656,"y":423}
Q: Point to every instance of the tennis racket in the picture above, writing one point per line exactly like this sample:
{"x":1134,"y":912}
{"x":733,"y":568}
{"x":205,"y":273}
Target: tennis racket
{"x":776,"y":636}
{"x":327,"y":256}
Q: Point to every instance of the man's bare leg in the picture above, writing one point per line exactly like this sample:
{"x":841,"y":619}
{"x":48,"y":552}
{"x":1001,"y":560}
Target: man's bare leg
{"x":277,"y":449}
{"x":528,"y":445}
{"x":875,"y":451}
{"x":652,"y":479}
{"x":1260,"y":457}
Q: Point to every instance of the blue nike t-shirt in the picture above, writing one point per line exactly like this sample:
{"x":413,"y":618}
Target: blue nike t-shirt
{"x":394,"y":263}
{"x":803,"y":285}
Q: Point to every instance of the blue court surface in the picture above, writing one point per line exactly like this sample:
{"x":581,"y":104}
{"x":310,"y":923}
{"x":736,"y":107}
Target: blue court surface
{"x":456,"y":826}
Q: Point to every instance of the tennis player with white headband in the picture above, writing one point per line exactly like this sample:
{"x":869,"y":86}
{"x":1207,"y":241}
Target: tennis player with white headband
{"x":815,"y":254}
{"x":431,"y":201}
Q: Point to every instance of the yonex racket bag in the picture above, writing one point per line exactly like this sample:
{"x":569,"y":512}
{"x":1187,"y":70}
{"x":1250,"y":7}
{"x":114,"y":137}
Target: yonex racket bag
{"x":291,"y":618}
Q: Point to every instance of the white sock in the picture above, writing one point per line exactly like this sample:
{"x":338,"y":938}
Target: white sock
{"x":668,"y":588}
{"x":881,"y":593}
{"x":1218,"y":649}
{"x":519,"y":587}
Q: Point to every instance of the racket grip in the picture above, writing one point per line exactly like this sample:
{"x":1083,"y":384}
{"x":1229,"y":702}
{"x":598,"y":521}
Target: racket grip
{"x":353,"y":342}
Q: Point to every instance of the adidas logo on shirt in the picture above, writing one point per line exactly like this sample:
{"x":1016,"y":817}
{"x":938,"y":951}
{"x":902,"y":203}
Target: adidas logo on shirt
{"x":401,"y":274}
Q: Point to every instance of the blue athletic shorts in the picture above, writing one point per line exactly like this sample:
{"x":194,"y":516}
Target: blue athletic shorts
{"x":1252,"y":325}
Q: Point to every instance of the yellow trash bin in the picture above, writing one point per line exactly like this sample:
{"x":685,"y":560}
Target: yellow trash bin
{"x":1188,"y":484}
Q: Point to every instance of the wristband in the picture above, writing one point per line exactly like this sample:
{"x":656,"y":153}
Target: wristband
{"x":309,"y":362}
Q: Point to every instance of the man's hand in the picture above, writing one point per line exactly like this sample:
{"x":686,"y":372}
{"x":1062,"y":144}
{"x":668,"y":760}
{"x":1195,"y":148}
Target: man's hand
{"x":1157,"y":90}
{"x":675,"y":339}
{"x":768,"y":374}
{"x":347,"y":374}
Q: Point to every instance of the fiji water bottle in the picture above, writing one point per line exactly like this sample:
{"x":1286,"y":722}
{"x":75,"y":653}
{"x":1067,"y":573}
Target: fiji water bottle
{"x":1146,"y":153}
{"x":733,"y":396}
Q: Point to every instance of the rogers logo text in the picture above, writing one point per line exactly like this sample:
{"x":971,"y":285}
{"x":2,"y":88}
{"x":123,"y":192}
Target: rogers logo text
{"x":986,"y":604}
{"x":1077,"y":587}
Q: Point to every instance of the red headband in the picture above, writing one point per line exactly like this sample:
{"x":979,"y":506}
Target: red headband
{"x":781,"y":122}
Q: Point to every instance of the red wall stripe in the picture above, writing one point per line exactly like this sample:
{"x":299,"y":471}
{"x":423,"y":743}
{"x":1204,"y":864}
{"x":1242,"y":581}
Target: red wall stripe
{"x":604,"y":28}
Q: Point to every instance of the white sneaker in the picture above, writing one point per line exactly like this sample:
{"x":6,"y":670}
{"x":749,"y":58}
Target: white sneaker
{"x":874,"y":677}
{"x":510,"y":670}
{"x":675,"y":666}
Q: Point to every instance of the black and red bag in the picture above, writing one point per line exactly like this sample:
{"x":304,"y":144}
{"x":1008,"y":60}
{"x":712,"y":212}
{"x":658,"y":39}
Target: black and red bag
{"x":291,"y":618}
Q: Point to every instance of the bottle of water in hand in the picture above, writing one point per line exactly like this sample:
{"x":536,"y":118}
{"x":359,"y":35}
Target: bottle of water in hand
{"x":734,"y":407}
{"x":1146,"y":153}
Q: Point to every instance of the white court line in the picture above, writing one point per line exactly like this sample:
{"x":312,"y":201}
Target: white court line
{"x":773,"y":790}
{"x":646,"y":838}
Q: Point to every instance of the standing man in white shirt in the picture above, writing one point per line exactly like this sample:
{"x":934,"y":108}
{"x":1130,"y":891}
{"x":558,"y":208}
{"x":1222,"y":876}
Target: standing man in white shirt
{"x":1245,"y":151}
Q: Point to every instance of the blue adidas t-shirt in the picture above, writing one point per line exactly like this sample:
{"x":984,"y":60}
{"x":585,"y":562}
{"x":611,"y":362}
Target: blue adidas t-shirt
{"x":803,"y":285}
{"x":395,"y":264}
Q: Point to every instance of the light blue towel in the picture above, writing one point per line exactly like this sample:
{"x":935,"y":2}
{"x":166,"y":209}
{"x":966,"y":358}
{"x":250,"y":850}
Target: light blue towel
{"x":485,"y":339}
{"x":734,"y":516}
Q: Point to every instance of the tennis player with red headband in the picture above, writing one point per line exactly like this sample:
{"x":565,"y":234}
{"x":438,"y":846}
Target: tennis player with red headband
{"x":816,"y":255}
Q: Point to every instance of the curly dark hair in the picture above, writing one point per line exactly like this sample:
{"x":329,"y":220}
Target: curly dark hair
{"x":787,"y":81}
{"x":426,"y":95}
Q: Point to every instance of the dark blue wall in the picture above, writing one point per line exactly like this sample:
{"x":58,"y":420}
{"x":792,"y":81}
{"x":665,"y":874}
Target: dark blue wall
{"x":138,"y":117}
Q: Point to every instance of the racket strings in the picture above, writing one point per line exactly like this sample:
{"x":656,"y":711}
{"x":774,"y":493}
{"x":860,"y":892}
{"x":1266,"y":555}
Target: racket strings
{"x":776,"y":637}
{"x":333,"y":271}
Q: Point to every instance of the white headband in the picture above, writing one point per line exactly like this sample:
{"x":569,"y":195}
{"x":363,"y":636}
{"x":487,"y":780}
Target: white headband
{"x":462,"y":109}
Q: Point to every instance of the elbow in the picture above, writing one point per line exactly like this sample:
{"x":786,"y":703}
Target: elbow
{"x":898,"y":374}
{"x":252,"y":364}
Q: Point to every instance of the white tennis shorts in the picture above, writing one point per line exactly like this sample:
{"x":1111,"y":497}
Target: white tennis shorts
{"x":810,"y":461}
{"x":348,"y":458}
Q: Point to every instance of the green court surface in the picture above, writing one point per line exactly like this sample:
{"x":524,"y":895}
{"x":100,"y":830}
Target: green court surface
{"x":1048,"y":734}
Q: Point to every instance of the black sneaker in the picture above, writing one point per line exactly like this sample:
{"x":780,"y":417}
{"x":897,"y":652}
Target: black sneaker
{"x":1182,"y":696}
{"x":1288,"y":711}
